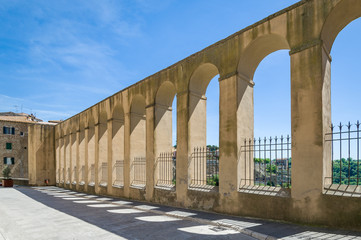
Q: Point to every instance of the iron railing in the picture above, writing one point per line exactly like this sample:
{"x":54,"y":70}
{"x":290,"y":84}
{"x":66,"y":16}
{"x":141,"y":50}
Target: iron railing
{"x":139,"y":171}
{"x":345,"y":154}
{"x":271,"y":161}
{"x":119,"y":173}
{"x":205,"y":167}
{"x":166,"y":169}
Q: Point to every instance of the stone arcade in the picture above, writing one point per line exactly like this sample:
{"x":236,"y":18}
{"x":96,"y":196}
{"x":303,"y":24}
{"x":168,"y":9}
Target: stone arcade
{"x":95,"y":151}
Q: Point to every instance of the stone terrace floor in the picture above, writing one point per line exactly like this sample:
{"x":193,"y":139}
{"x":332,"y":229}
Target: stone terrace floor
{"x":55,"y":213}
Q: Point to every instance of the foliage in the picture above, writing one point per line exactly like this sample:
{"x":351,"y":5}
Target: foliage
{"x":343,"y":167}
{"x":212,"y":148}
{"x":7,"y":173}
{"x":213,"y":181}
{"x":262,"y":160}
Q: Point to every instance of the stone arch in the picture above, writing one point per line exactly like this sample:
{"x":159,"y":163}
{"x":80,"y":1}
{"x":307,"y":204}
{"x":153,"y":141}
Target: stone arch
{"x":137,"y":140}
{"x":341,"y":15}
{"x":256,"y":51}
{"x":163,"y":133}
{"x":250,"y":59}
{"x":197,"y":122}
{"x":198,"y":84}
{"x":118,"y":145}
{"x":201,"y":77}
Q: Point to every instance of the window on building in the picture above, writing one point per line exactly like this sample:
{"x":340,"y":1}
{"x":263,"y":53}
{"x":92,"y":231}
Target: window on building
{"x":9,"y":130}
{"x":22,"y":134}
{"x":9,"y":160}
{"x":9,"y":146}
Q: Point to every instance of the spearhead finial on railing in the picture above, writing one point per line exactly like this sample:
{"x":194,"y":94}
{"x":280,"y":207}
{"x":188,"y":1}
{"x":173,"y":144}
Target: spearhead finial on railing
{"x":349,"y":125}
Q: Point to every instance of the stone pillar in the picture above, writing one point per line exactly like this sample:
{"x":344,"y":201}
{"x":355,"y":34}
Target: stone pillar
{"x":96,"y":160}
{"x":61,"y":160}
{"x":67,"y":155}
{"x":311,"y":119}
{"x":126,"y":154}
{"x":57,"y":160}
{"x":150,"y":160}
{"x":245,"y":129}
{"x":73,"y":158}
{"x":77,"y":162}
{"x":86,"y":158}
{"x":236,"y":124}
{"x":110,"y":155}
{"x":182,"y":147}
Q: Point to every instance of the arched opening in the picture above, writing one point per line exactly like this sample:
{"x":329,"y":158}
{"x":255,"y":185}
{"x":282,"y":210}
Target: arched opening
{"x":341,"y":38}
{"x":91,"y":150}
{"x":264,"y":113}
{"x":82,"y":166}
{"x":118,"y":146}
{"x":163,"y":135}
{"x":103,"y":149}
{"x":203,"y":168}
{"x":138,"y":142}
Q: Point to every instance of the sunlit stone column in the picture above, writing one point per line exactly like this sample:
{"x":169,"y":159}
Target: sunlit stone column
{"x":236,"y":124}
{"x":182,"y":147}
{"x":126,"y":154}
{"x":150,"y":160}
{"x":311,"y":119}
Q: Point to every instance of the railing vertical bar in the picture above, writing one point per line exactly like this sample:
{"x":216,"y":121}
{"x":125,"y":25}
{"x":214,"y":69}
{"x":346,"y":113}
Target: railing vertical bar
{"x":276,"y":167}
{"x":282,"y":160}
{"x":332,"y":157}
{"x":288,"y":161}
{"x":259,"y":162}
{"x":264,"y":161}
{"x":340,"y":126}
{"x":358,"y":152}
{"x":349,"y":153}
{"x":270,"y":159}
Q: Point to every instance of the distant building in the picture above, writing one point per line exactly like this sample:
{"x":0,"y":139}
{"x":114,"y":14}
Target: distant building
{"x":14,"y":142}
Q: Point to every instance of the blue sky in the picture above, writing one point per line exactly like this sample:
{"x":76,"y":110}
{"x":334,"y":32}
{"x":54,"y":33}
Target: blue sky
{"x":58,"y":58}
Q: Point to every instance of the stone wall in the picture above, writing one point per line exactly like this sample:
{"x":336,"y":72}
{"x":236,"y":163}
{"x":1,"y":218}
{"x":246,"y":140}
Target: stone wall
{"x":41,"y":155}
{"x":19,"y":148}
